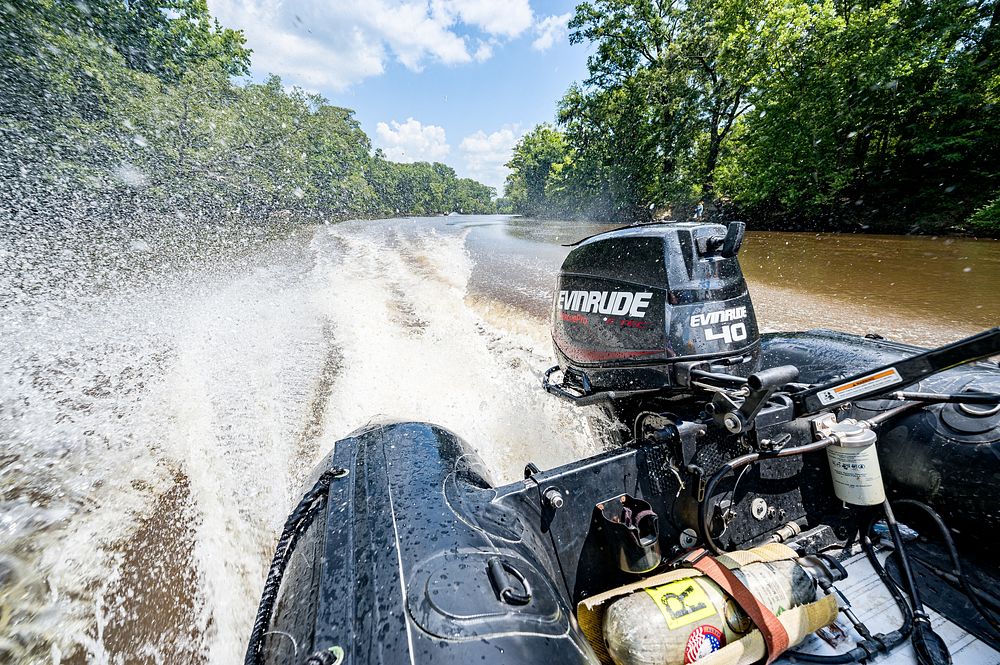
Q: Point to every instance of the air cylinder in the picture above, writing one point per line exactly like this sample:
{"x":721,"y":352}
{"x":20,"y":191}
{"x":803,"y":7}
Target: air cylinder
{"x":857,"y":477}
{"x":682,"y":621}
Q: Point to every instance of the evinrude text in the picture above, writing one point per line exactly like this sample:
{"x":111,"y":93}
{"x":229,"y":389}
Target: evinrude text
{"x":618,"y":303}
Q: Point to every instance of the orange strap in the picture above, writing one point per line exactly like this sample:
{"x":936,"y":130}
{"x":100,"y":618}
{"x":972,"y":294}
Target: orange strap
{"x":774,"y":634}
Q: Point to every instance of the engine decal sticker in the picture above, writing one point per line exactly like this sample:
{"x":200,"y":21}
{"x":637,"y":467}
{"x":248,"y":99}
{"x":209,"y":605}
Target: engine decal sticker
{"x":882,"y":379}
{"x":703,"y":641}
{"x":728,"y":333}
{"x":682,"y":602}
{"x":618,"y":303}
{"x":574,"y":318}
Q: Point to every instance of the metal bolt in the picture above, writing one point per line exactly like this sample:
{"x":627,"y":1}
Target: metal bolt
{"x":553,"y":497}
{"x":732,"y":423}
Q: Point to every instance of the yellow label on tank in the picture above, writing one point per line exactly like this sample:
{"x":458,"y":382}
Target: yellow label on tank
{"x":682,"y":602}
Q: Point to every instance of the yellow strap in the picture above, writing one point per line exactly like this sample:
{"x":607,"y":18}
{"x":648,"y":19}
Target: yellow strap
{"x":799,"y":622}
{"x":762,"y":554}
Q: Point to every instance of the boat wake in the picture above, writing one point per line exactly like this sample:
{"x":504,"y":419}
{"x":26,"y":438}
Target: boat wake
{"x":153,"y":435}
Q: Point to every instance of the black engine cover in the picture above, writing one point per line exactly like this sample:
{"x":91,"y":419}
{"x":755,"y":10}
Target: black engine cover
{"x":631,"y":302}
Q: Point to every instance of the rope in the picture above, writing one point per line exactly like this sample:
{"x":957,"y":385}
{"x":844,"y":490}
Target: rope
{"x":296,"y":524}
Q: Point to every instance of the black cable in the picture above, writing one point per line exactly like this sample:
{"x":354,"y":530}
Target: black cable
{"x":890,"y":584}
{"x":929,"y":647}
{"x":956,"y":563}
{"x":882,"y":643}
{"x":906,"y":571}
{"x":296,"y":524}
{"x":903,"y":632}
{"x":736,"y":485}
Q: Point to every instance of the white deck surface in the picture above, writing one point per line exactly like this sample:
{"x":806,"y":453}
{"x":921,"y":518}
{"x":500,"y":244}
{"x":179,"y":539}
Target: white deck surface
{"x":872,"y":603}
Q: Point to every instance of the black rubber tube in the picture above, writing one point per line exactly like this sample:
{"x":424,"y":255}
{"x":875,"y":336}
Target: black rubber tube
{"x":894,"y":591}
{"x":906,"y":571}
{"x":956,"y":563}
{"x":296,"y":524}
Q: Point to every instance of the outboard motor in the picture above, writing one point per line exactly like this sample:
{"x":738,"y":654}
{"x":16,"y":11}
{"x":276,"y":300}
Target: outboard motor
{"x":632,"y":304}
{"x":732,"y":452}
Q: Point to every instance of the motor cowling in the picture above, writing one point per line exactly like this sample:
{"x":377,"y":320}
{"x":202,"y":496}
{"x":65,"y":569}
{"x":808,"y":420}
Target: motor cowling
{"x":632,"y":303}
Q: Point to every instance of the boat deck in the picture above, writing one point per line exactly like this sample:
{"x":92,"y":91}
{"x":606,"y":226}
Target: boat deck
{"x":875,"y":607}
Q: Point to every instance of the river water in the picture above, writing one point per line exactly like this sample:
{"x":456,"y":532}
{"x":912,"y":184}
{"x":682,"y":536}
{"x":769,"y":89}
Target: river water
{"x":161,"y":402}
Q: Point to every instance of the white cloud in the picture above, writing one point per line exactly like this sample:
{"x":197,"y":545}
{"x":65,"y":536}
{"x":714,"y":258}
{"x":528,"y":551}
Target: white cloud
{"x":485,"y":155}
{"x":412,"y":141}
{"x":550,"y":30}
{"x":412,"y":33}
{"x":335,"y":43}
{"x":508,"y":18}
{"x":484,"y":52}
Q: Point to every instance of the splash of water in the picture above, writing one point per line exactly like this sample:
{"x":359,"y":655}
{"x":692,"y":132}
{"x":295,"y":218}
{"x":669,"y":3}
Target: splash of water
{"x":154,"y":431}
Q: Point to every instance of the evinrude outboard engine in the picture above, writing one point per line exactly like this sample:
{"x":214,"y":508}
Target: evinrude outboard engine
{"x":749,"y":469}
{"x":633,"y":303}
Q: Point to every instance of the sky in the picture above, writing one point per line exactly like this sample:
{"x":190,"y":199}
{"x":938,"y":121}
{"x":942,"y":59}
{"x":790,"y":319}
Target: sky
{"x":455,"y":81}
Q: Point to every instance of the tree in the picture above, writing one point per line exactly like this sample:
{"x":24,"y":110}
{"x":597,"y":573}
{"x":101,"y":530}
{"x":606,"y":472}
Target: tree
{"x":531,"y":165}
{"x":166,"y":38}
{"x":831,"y":114}
{"x":686,"y":64}
{"x":879,"y":112}
{"x":125,"y":111}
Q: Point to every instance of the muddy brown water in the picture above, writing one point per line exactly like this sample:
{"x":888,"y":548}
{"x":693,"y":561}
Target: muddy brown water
{"x":155,"y":432}
{"x":923,"y":290}
{"x":916,"y":289}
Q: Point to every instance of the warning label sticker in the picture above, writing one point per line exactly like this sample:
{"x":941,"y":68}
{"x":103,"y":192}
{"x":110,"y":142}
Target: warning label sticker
{"x":880,"y":379}
{"x":682,"y":602}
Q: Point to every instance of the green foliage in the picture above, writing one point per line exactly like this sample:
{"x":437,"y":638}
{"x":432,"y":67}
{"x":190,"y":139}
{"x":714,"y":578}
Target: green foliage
{"x":666,"y":87}
{"x":986,"y":220}
{"x":426,"y":189}
{"x":531,"y":167}
{"x":872,"y":110}
{"x":115,"y":110}
{"x":879,"y":114}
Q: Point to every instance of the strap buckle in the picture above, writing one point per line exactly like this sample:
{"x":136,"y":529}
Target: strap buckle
{"x":690,"y":558}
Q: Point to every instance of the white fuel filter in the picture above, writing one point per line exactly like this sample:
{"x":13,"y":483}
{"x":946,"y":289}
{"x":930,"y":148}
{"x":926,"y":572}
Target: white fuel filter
{"x":857,"y":476}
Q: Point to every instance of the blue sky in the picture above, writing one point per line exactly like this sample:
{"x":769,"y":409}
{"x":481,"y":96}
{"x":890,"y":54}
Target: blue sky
{"x":457,"y":81}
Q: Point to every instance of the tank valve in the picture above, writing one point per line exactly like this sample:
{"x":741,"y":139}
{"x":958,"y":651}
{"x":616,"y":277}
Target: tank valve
{"x":553,"y":497}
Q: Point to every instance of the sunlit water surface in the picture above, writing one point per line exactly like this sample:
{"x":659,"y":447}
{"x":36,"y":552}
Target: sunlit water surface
{"x":162,"y":402}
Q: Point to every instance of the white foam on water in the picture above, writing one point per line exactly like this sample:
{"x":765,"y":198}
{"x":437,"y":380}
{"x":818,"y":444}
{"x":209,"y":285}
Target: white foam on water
{"x":416,"y":351}
{"x":210,"y":378}
{"x":106,"y":400}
